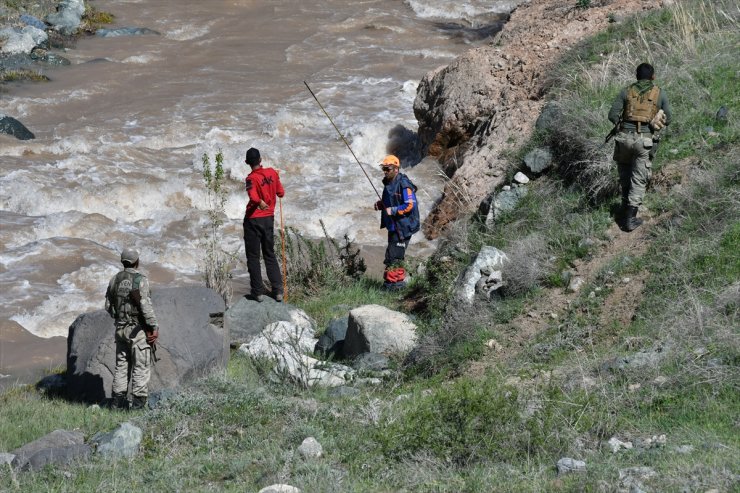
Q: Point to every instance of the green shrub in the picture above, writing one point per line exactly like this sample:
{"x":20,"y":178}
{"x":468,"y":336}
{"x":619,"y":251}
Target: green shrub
{"x":466,"y":421}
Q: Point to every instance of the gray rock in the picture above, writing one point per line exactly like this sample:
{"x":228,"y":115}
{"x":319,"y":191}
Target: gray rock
{"x":125,"y":31}
{"x":310,"y":448}
{"x":68,"y":16}
{"x":30,"y":20}
{"x":11,"y":126}
{"x":57,"y":440}
{"x":331,"y":341}
{"x":189,"y":346}
{"x":538,"y":160}
{"x":21,"y":40}
{"x":57,"y":456}
{"x":575,"y":284}
{"x":376,"y":329}
{"x":122,"y":442}
{"x":246,"y":318}
{"x":567,"y":465}
{"x":371,"y":362}
{"x":550,"y":117}
{"x":505,"y":201}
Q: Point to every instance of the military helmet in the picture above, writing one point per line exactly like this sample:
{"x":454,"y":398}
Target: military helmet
{"x":129,"y":256}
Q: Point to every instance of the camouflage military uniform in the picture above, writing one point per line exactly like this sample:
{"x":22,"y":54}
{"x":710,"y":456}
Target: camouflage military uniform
{"x":133,"y":353}
{"x":633,"y":145}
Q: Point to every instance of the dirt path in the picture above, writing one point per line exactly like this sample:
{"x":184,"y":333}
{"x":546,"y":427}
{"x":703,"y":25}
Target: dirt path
{"x":619,"y":305}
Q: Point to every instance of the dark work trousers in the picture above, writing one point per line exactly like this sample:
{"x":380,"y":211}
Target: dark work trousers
{"x":396,"y":250}
{"x":259,"y":237}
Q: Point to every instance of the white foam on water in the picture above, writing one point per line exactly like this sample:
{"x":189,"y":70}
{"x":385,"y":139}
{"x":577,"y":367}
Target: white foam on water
{"x":141,"y":59}
{"x":444,"y":9}
{"x":187,"y":32}
{"x":75,"y":144}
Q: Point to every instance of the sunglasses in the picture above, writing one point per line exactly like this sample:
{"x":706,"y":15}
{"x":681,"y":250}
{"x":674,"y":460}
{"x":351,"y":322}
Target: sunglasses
{"x":387,"y":168}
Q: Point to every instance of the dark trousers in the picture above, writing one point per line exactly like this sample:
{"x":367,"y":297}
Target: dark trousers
{"x":259,"y":237}
{"x":395,"y":252}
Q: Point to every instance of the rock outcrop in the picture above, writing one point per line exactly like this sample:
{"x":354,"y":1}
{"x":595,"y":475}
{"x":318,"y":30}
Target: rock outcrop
{"x":485,"y":103}
{"x":189,"y":344}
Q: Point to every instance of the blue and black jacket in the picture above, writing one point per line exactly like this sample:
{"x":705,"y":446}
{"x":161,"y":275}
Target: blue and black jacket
{"x":400,"y":195}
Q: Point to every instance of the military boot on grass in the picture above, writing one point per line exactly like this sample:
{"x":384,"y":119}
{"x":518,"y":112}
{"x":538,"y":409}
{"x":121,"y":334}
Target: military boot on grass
{"x":119,"y":402}
{"x":138,"y":403}
{"x":631,"y":221}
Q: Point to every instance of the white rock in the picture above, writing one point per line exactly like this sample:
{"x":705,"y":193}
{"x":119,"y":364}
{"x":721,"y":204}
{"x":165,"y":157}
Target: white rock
{"x":575,"y":284}
{"x":567,"y":465}
{"x":520,"y":177}
{"x":311,"y":448}
{"x":280,"y":488}
{"x":616,"y":444}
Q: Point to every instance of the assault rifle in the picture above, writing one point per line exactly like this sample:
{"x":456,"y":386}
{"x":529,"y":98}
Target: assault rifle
{"x":614,"y":130}
{"x":136,"y":297}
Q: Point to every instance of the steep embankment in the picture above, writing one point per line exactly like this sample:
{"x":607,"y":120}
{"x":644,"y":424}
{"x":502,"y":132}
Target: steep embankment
{"x":484,"y":104}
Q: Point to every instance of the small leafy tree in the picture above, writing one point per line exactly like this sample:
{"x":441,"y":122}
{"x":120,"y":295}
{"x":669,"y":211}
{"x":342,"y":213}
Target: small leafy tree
{"x":217,"y":261}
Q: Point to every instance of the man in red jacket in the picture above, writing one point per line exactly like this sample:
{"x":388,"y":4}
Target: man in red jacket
{"x":263,"y":186}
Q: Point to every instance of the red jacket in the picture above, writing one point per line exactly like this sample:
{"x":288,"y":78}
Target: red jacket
{"x":263,"y":184}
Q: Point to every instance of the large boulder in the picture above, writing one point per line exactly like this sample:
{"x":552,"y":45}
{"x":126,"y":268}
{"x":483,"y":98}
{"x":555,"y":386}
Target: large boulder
{"x":189,"y":344}
{"x":377,"y":329}
{"x":246,"y":318}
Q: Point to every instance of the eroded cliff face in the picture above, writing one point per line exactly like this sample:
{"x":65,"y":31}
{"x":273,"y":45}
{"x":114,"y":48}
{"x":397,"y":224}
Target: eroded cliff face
{"x":487,"y":101}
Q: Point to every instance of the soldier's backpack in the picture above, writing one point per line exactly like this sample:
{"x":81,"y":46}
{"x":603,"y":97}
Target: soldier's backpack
{"x":641,"y":108}
{"x":126,"y":295}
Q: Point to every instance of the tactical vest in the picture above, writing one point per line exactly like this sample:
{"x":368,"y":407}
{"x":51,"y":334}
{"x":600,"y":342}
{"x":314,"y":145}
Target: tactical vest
{"x":125,"y":306}
{"x":641,"y":108}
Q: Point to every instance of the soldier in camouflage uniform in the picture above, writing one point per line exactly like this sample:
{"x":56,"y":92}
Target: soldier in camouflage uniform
{"x":128,"y":301}
{"x":637,"y":112}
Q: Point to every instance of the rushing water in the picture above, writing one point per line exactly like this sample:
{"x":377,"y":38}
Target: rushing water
{"x":120,"y":133}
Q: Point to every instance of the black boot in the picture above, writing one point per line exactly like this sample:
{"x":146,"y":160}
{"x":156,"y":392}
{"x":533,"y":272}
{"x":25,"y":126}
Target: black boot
{"x":631,"y":222}
{"x":138,"y":403}
{"x":119,"y":402}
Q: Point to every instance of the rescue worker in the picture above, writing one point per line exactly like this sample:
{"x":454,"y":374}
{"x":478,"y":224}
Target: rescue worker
{"x":400,"y":217}
{"x":128,"y":301}
{"x":640,"y":111}
{"x":263,"y":186}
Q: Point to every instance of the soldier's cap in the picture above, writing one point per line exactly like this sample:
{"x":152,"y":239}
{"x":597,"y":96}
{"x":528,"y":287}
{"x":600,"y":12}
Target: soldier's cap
{"x":253,"y":156}
{"x":129,"y":256}
{"x":390,"y":160}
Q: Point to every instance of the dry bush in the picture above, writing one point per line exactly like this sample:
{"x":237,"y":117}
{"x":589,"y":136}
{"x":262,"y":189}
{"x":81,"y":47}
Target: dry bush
{"x":527,"y":266}
{"x":315,"y":264}
{"x":584,"y":161}
{"x":461,"y":327}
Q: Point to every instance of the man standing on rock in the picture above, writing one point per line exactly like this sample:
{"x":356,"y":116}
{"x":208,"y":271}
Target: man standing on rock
{"x":263,"y":187}
{"x":128,"y":301}
{"x":400,"y":216}
{"x":640,"y":111}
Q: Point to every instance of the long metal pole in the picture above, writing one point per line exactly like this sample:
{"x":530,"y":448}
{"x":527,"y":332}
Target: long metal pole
{"x":343,"y":139}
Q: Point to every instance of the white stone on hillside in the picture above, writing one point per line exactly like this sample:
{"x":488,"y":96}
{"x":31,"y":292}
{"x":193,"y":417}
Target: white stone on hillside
{"x":376,"y":329}
{"x":520,"y":177}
